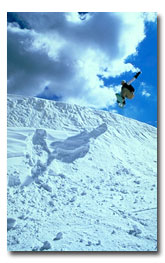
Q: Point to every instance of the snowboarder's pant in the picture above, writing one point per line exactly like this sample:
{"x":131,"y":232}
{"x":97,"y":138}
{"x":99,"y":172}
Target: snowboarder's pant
{"x":127,"y":94}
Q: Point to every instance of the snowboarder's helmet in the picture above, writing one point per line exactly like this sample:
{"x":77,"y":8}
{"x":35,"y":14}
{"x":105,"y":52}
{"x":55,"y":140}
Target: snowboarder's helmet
{"x":123,"y":82}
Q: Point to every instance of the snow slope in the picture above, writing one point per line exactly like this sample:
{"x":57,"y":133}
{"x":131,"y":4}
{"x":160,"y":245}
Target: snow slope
{"x":79,"y":179}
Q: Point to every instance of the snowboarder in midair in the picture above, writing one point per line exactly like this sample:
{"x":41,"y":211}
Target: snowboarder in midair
{"x":127,"y":90}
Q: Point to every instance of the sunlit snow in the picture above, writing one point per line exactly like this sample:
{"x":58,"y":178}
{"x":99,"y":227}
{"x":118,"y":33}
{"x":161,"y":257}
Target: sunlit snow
{"x":79,"y":179}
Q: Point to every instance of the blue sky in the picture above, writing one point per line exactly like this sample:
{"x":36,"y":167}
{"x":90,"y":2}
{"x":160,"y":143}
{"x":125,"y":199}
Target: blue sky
{"x":82,"y":59}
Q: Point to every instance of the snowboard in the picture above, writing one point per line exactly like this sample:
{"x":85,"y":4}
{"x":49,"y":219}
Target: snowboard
{"x":120,"y":100}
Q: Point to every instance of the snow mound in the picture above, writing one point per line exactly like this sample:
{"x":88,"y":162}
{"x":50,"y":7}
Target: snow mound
{"x":79,"y":179}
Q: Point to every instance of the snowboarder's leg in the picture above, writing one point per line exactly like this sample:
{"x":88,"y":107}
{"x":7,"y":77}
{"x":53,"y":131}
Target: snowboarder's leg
{"x":125,"y":93}
{"x":130,"y":95}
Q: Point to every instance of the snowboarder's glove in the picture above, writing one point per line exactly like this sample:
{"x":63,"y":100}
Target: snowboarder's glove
{"x":137,"y":74}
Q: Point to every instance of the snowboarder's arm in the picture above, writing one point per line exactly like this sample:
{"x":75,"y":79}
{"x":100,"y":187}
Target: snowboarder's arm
{"x":135,"y":77}
{"x":129,"y":82}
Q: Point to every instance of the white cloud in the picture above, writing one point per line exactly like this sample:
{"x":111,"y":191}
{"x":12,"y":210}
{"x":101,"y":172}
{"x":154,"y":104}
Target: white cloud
{"x":144,"y":89}
{"x":69,"y":54}
{"x":145,"y":93}
{"x":150,"y":16}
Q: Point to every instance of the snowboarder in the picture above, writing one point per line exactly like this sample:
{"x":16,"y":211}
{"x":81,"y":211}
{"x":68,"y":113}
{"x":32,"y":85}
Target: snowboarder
{"x":127,"y":91}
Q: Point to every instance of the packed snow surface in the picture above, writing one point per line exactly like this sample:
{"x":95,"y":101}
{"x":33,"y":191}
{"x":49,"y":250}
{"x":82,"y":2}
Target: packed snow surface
{"x":79,"y":179}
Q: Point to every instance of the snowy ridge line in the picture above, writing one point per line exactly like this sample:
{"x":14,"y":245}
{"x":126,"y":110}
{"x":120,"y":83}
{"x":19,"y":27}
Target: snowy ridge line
{"x":60,"y":108}
{"x":18,"y":96}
